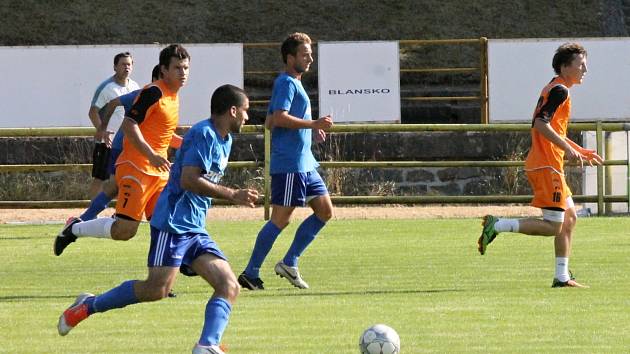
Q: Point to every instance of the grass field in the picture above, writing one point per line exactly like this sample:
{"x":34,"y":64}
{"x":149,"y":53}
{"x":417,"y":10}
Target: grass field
{"x":422,"y":277}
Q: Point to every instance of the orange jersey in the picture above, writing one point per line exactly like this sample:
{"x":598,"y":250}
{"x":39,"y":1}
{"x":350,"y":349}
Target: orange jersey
{"x":554,"y":107}
{"x":156,"y":111}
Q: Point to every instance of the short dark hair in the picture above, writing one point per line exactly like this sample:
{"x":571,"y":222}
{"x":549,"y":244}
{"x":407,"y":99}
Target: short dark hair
{"x":291,"y":44}
{"x":156,"y":73}
{"x":565,"y":55}
{"x":122,"y":55}
{"x":173,"y":51}
{"x":225,"y":97}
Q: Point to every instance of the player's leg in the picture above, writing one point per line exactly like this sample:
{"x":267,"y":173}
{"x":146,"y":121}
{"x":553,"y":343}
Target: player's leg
{"x":128,"y":293}
{"x":318,"y":199}
{"x":217,"y":272}
{"x":101,"y":201}
{"x":544,"y":183}
{"x":108,"y":192}
{"x":283,"y":200}
{"x":100,"y":160}
{"x":562,"y":246}
{"x":129,"y":210}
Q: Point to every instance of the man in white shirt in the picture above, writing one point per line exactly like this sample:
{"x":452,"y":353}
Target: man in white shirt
{"x":115,"y":86}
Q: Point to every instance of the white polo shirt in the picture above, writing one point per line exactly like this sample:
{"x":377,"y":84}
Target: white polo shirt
{"x":107,"y":91}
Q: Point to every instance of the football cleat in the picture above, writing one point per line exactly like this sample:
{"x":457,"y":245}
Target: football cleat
{"x":250,"y":283}
{"x":488,"y":233}
{"x":66,"y":236}
{"x":291,"y":274}
{"x":571,"y":283}
{"x":74,"y":314}
{"x":208,"y":349}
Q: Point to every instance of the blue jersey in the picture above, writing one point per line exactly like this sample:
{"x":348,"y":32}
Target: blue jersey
{"x":291,"y":148}
{"x":127,"y":101}
{"x":180,"y":211}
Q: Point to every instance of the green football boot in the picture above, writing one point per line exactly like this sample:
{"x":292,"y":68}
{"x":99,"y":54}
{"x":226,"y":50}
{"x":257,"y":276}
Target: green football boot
{"x":488,"y":233}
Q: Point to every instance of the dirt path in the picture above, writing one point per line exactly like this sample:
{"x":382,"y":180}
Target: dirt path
{"x":37,"y":216}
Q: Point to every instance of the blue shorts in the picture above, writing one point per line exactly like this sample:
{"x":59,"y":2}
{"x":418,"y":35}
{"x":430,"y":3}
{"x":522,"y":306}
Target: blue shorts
{"x":296,"y":189}
{"x":173,"y":250}
{"x":117,"y":145}
{"x":111,"y":167}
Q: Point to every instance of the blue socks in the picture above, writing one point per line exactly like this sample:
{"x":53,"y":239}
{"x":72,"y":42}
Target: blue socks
{"x":266,"y":237}
{"x":115,"y":298}
{"x":97,"y":205}
{"x":217,"y":316}
{"x":304,"y":235}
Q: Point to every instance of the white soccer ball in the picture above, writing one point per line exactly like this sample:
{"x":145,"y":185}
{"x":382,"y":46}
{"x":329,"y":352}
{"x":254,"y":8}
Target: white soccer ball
{"x":379,"y":339}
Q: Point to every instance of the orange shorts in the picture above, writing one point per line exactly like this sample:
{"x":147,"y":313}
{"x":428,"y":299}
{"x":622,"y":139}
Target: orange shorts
{"x":550,"y":188}
{"x":137,"y":191}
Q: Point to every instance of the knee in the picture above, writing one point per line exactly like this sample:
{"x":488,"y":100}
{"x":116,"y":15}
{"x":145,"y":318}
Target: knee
{"x":281,"y":224}
{"x":325,"y":215}
{"x":230,"y":290}
{"x":122,"y":233}
{"x":570,"y":219}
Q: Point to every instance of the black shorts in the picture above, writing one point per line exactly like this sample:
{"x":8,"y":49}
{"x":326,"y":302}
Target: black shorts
{"x":100,"y":161}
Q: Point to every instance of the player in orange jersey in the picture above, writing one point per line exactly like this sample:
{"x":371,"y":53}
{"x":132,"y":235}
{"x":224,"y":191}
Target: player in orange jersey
{"x":142,"y":167}
{"x":545,"y":166}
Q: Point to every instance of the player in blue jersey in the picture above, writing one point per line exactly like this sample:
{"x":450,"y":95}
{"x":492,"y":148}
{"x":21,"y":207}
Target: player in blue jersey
{"x":110,"y":190}
{"x":178,"y":228}
{"x":294,"y":178}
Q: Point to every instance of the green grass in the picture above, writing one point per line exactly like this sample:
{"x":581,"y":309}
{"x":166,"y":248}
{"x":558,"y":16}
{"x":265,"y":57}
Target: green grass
{"x":422,"y":277}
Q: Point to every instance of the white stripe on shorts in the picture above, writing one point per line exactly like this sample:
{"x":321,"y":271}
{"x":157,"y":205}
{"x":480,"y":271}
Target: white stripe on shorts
{"x":288,"y":189}
{"x":161,"y":245}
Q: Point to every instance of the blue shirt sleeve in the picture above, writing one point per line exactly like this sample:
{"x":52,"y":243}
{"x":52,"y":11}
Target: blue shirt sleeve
{"x":127,"y":100}
{"x":282,"y":96}
{"x":197,"y":150}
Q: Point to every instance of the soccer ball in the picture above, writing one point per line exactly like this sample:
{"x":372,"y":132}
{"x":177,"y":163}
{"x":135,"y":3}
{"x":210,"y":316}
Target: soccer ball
{"x":379,"y":339}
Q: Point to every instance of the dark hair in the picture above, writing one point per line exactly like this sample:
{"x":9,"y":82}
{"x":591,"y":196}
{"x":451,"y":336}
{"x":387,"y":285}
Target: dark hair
{"x":122,"y":55}
{"x":225,"y":97}
{"x":565,"y":55}
{"x":173,"y":51}
{"x":156,"y":73}
{"x":291,"y":44}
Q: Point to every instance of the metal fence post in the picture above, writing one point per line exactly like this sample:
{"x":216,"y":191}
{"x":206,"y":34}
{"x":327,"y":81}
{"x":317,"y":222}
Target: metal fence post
{"x":608,"y":176}
{"x":483,"y":71}
{"x":266,"y":172}
{"x":600,"y":170}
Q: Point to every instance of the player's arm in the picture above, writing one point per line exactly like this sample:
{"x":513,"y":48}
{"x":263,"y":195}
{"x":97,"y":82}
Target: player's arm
{"x":98,"y":102}
{"x":99,"y":136}
{"x":587,"y":154}
{"x":283,"y":119}
{"x":110,"y":107}
{"x":176,"y":141}
{"x":131,"y":129}
{"x":557,"y":95}
{"x":192,"y":180}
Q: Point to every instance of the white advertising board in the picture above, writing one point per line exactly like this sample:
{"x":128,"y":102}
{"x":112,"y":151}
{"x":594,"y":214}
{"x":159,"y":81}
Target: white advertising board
{"x":619,"y":178}
{"x":52,"y":86}
{"x":519,"y":68}
{"x":359,"y":81}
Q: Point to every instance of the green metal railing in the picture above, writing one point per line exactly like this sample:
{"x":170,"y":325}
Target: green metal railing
{"x":599,"y":128}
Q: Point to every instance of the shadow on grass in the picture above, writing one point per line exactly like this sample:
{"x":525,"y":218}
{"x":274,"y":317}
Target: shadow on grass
{"x":297,"y":293}
{"x":21,"y":298}
{"x":24,"y":238}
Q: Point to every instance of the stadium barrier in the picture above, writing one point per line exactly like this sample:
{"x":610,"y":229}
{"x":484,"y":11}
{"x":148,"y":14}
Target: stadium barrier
{"x":603,"y":184}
